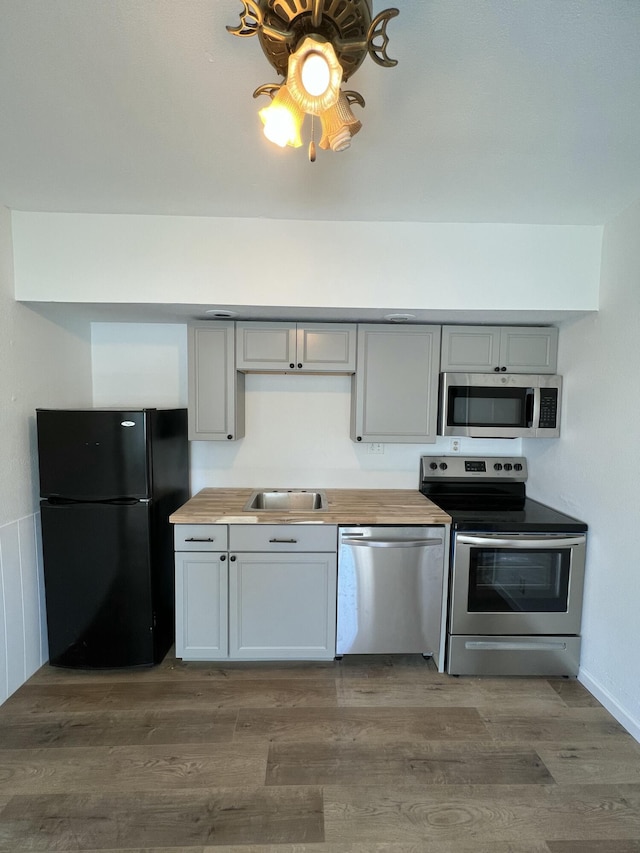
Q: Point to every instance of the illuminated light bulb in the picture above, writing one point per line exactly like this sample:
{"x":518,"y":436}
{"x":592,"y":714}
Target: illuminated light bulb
{"x":282,"y":120}
{"x":315,"y":74}
{"x":279,"y":126}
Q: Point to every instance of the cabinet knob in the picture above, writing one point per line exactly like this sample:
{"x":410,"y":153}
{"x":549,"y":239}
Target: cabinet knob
{"x":359,"y":438}
{"x":503,"y":369}
{"x":223,"y":557}
{"x":229,"y":437}
{"x":299,"y":365}
{"x":292,"y":366}
{"x":232,"y":559}
{"x":497,"y":369}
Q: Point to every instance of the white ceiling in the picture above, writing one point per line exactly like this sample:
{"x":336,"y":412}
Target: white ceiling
{"x":523,"y":111}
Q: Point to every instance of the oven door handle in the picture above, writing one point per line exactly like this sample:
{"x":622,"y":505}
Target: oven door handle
{"x":528,"y":543}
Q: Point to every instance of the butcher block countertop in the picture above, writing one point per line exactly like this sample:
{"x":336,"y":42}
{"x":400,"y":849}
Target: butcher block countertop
{"x":345,"y":506}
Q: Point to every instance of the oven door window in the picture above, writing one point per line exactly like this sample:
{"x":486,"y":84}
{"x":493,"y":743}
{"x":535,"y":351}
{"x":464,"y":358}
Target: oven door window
{"x":535,"y":581}
{"x":490,"y":407}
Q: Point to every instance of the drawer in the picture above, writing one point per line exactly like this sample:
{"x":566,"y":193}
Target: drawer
{"x":200,"y":537}
{"x":283,"y":537}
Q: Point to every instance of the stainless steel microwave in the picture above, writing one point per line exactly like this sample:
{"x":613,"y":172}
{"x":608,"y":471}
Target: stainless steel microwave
{"x":503,"y":405}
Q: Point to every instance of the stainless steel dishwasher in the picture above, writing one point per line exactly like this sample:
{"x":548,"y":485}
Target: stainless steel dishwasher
{"x":390,"y":590}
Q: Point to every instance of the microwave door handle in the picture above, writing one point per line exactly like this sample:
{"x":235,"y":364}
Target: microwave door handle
{"x":545,"y":542}
{"x":532,"y":407}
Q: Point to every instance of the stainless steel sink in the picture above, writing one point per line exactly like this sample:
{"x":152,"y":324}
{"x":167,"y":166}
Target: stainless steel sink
{"x":287,"y":500}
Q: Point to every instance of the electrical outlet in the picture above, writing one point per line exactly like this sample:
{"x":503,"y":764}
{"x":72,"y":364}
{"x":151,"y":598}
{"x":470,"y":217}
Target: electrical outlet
{"x":455,"y":445}
{"x":376,"y":447}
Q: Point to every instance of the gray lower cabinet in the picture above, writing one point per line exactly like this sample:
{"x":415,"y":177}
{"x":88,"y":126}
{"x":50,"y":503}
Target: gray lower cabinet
{"x":282,"y":591}
{"x":509,"y":349}
{"x":216,"y":389}
{"x":202,"y":583}
{"x":299,"y":347}
{"x":394,"y":396}
{"x":271,"y":595}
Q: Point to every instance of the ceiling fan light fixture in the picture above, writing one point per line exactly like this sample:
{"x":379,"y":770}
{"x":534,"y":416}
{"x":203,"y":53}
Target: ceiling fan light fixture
{"x":315,"y":45}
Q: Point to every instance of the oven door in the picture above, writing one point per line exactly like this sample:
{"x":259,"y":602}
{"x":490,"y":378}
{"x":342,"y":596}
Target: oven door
{"x":517,"y":584}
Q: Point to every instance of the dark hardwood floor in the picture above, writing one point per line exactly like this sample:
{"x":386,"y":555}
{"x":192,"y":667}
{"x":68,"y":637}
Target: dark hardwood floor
{"x":366,"y":755}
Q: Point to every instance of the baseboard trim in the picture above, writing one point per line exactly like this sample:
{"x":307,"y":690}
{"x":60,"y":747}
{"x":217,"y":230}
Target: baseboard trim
{"x":610,"y":703}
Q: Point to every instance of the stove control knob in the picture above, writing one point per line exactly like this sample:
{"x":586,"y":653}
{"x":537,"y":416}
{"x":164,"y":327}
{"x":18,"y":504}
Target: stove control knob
{"x":508,"y":466}
{"x":517,"y":466}
{"x":497,"y":466}
{"x":433,"y":465}
{"x":443,"y":466}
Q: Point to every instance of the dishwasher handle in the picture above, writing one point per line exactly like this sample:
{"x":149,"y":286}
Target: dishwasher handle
{"x":393,"y":543}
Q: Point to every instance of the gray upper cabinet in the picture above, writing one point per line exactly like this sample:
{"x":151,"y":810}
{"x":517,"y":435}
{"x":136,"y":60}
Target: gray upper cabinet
{"x":509,"y":349}
{"x":303,"y":347}
{"x":394,"y":393}
{"x":216,"y":389}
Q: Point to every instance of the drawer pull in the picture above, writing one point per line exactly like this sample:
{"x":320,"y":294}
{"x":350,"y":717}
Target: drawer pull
{"x":284,"y":541}
{"x":195,"y":539}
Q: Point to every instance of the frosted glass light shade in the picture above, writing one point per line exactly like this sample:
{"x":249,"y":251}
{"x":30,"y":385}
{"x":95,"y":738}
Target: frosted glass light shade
{"x":339,"y":125}
{"x":314,"y":52}
{"x":282,"y":120}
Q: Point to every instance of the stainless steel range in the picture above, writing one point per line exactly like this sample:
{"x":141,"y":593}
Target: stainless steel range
{"x":516,"y":570}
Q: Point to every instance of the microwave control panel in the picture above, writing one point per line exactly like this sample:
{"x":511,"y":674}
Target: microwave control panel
{"x":548,"y":408}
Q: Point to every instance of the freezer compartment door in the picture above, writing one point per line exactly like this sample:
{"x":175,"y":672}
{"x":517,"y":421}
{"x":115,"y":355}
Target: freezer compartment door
{"x":390,"y":591}
{"x":98,"y":585}
{"x":93,"y":454}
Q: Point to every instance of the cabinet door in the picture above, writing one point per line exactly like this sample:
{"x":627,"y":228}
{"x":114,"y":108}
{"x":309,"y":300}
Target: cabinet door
{"x":394,"y":391}
{"x":326,"y":347}
{"x":529,"y":349}
{"x":470,"y":349}
{"x":282,"y":606}
{"x":266,"y":346}
{"x":216,"y":390}
{"x":310,"y":347}
{"x":201,"y":605}
{"x":510,"y":349}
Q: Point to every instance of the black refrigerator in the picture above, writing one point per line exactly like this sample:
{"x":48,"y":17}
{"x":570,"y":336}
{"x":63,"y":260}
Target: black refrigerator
{"x":108,"y":482}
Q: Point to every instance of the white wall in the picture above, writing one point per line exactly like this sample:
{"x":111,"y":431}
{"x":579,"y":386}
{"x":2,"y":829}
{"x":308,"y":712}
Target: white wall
{"x":41,"y":364}
{"x":593,"y":471}
{"x":139,"y":364}
{"x":297,"y":426}
{"x":411,"y":265}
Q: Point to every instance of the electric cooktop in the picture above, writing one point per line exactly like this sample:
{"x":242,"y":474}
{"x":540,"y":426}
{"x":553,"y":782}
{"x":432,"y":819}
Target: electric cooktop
{"x":487,"y":494}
